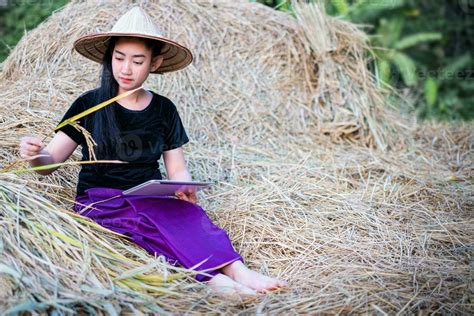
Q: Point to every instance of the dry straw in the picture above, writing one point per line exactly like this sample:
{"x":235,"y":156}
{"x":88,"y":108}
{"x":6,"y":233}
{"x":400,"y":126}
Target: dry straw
{"x":74,"y":122}
{"x":290,"y":124}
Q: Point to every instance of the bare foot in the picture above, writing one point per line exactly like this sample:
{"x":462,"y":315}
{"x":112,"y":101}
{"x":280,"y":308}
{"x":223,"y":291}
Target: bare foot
{"x":254,"y":280}
{"x":222,"y":284}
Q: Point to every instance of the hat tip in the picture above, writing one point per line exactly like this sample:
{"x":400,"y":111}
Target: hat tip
{"x":136,"y":8}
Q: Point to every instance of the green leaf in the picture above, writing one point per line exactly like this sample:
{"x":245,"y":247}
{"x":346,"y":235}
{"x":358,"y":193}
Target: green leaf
{"x":431,"y":91}
{"x":442,"y":106}
{"x":389,"y":31}
{"x":450,"y":71}
{"x":367,"y":10}
{"x":414,"y":39}
{"x":282,"y":5}
{"x":341,"y":6}
{"x":406,"y":67}
{"x":96,"y":107}
{"x":383,"y":68}
{"x":59,"y":164}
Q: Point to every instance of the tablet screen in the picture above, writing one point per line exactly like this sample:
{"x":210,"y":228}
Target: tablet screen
{"x":166,"y":187}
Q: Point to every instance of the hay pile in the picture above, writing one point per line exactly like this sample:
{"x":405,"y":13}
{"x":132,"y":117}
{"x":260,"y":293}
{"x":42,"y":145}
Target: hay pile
{"x":303,"y":193}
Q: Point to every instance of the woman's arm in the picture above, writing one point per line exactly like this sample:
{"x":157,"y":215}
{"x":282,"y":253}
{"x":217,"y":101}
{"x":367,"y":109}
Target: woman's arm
{"x":175,"y":164}
{"x":58,"y":150}
{"x":177,"y":170}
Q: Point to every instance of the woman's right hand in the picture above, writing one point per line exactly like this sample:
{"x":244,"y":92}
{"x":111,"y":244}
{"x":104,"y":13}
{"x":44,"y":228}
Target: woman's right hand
{"x":58,"y":150}
{"x":30,"y":146}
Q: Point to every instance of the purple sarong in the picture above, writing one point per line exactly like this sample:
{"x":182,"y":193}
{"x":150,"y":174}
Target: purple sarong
{"x":179,"y":230}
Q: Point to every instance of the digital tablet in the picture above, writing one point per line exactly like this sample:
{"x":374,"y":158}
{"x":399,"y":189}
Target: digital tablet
{"x":166,"y":187}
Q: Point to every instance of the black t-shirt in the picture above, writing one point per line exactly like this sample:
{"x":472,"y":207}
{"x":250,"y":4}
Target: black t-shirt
{"x":145,"y":135}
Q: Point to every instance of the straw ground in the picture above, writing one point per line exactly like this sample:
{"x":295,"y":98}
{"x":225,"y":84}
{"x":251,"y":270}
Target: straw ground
{"x":319,"y":184}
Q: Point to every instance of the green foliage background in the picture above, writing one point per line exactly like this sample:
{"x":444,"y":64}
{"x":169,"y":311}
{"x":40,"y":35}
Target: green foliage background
{"x":20,"y":16}
{"x":421,"y":45}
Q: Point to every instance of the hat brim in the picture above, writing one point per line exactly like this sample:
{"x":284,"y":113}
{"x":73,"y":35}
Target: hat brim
{"x":175,"y":56}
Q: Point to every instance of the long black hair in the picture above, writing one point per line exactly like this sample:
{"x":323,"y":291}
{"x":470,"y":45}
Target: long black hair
{"x":103,"y":124}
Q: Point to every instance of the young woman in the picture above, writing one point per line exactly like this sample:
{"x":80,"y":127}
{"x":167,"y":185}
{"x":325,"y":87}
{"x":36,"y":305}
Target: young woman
{"x":139,"y":129}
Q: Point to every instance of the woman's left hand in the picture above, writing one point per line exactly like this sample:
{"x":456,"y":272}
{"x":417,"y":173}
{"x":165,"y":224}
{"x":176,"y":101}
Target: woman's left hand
{"x":187,"y":196}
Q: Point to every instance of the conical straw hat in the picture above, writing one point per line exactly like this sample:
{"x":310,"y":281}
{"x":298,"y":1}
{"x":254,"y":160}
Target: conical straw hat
{"x":135,"y":23}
